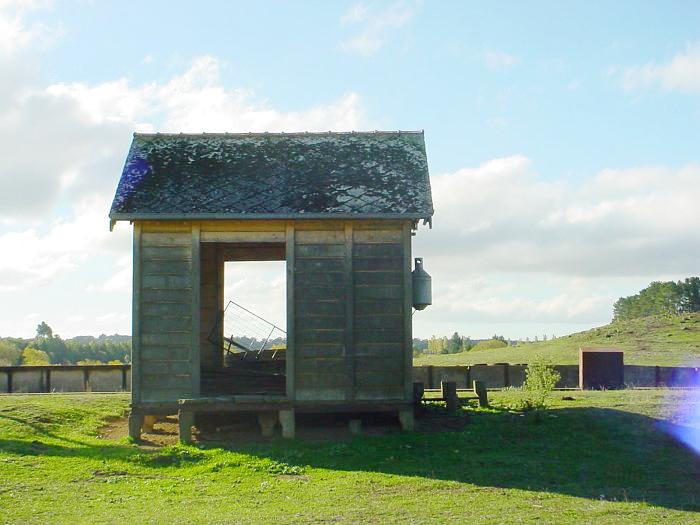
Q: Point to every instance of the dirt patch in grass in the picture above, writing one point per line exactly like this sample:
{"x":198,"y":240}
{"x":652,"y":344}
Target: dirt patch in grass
{"x":165,"y":432}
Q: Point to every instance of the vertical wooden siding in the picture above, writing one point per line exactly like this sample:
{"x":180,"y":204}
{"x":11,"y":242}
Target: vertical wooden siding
{"x":379,"y":311}
{"x":352,"y":315}
{"x":320,"y":313}
{"x":212,"y":303}
{"x":165,"y":307}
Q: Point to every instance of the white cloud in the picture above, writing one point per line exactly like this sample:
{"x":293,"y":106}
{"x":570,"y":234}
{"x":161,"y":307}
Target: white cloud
{"x":120,"y":279}
{"x":198,"y":101}
{"x":83,"y":130}
{"x":375,"y":28}
{"x":508,"y":246}
{"x":15,"y":33}
{"x":505,"y":217}
{"x":356,"y":13}
{"x":681,"y":73}
{"x":497,"y":60}
{"x":35,"y":256}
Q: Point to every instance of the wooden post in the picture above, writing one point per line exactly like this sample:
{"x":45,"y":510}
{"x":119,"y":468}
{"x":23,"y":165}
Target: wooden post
{"x":506,"y":375}
{"x":355,"y":426}
{"x":185,"y":421}
{"x":290,"y":240}
{"x":418,"y":392}
{"x":481,"y":393}
{"x":135,"y":424}
{"x":349,"y":313}
{"x":87,"y":387}
{"x":449,"y":394}
{"x":196,"y":347}
{"x":124,"y":378}
{"x":148,"y":422}
{"x":9,"y":381}
{"x":287,"y":422}
{"x":47,"y":384}
{"x":136,"y":319}
{"x":407,"y":312}
{"x":406,"y":419}
{"x":267,"y":422}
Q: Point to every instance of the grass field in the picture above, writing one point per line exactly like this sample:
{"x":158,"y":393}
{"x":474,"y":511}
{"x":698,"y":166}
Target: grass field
{"x":656,"y":340}
{"x":599,"y":458}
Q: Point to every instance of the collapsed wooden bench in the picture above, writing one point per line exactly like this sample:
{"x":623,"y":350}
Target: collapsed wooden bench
{"x":450,"y":394}
{"x":270,"y":409}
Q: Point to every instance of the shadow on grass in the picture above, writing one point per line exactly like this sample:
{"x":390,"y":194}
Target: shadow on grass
{"x":594,"y":453}
{"x":584,"y":452}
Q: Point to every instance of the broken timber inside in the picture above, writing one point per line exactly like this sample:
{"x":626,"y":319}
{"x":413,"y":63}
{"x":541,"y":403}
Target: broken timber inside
{"x":339,"y":208}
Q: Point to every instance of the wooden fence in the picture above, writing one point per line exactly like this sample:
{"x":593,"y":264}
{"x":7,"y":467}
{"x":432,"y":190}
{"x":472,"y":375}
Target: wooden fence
{"x":117,"y":378}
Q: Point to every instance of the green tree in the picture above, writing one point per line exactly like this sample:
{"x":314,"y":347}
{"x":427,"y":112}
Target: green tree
{"x":9,"y":354}
{"x":32,"y":356}
{"x":44,"y":331}
{"x":454,"y":344}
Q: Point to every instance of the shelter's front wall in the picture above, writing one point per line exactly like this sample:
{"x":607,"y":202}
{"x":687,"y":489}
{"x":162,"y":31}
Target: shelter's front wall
{"x":165,"y":299}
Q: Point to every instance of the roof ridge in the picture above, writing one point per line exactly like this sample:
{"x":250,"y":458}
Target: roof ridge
{"x":280,"y":133}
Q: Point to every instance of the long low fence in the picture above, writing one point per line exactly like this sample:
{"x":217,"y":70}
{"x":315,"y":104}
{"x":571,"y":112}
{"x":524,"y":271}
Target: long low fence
{"x":117,"y":378}
{"x":502,"y":375}
{"x":65,"y":378}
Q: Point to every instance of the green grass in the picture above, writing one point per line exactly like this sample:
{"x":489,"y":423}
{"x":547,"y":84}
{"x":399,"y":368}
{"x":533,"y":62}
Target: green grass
{"x":656,"y":340}
{"x":596,"y":459}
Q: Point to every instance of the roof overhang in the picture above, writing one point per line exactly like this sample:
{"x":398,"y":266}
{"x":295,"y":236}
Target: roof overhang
{"x":115,"y":217}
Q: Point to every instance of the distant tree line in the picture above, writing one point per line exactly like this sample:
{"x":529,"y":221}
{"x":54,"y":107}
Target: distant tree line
{"x":671,"y":298}
{"x":49,"y":348}
{"x":455,"y":344}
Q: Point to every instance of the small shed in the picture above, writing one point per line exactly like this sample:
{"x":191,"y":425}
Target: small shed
{"x":339,"y":208}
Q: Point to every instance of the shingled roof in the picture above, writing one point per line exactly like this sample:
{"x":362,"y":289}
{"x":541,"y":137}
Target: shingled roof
{"x":275,"y":175}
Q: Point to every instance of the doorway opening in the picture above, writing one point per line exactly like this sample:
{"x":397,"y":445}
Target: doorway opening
{"x":247,"y":344}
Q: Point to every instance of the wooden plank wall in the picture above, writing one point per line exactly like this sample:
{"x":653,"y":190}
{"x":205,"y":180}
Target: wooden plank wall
{"x":165,"y":312}
{"x":379,"y":311}
{"x":212,"y":303}
{"x":320,"y":304}
{"x":352,"y":322}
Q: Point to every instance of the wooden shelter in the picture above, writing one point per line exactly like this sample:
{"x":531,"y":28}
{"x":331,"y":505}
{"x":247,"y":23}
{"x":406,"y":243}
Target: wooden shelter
{"x":339,"y":208}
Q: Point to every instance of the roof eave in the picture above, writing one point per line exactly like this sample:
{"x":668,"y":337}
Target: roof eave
{"x":120,"y":216}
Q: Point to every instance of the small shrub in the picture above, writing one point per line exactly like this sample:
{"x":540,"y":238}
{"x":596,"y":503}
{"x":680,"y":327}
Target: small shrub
{"x":540,"y":380}
{"x":489,"y":344}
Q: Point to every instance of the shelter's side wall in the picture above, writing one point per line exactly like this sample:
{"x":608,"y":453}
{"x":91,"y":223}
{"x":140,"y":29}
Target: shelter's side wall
{"x":211,"y":297}
{"x":320,"y":292}
{"x":165,"y":312}
{"x":379,"y":311}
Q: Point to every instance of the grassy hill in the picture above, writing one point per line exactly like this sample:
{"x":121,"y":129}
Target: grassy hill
{"x":655,"y":340}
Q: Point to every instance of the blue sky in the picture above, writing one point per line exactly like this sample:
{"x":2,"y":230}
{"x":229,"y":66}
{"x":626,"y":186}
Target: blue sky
{"x":562,"y":140}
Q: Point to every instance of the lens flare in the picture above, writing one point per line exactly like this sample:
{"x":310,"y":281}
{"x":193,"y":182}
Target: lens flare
{"x":685,"y":419}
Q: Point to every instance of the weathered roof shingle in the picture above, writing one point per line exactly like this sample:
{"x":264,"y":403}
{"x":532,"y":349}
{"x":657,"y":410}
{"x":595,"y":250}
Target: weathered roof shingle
{"x":375,"y":174}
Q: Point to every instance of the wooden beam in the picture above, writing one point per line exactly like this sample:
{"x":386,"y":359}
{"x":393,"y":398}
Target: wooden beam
{"x":246,"y":252}
{"x":243,"y":236}
{"x":349,"y":312}
{"x":407,"y":311}
{"x":136,"y":320}
{"x":290,"y":352}
{"x":196,"y":271}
